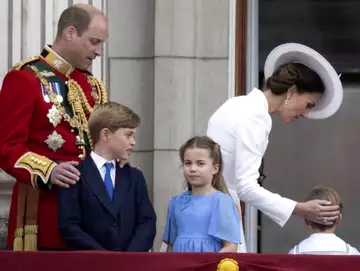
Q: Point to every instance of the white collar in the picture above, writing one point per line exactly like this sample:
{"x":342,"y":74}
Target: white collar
{"x":259,"y":95}
{"x":323,"y":234}
{"x":100,"y":161}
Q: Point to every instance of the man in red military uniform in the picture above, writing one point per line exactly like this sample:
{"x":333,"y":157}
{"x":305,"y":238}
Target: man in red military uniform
{"x":44,"y":106}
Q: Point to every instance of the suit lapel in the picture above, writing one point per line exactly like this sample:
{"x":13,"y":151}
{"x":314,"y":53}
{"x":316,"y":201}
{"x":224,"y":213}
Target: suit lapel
{"x":122,"y":186}
{"x":93,"y":178}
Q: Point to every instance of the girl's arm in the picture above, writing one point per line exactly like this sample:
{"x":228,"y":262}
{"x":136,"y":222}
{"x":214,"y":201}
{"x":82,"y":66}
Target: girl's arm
{"x":169,"y":248}
{"x":229,"y":247}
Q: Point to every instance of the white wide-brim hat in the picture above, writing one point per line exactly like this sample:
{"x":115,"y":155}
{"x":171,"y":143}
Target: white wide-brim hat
{"x":293,"y":52}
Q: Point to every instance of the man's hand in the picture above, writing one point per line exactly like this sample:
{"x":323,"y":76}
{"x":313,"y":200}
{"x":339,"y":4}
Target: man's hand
{"x":65,"y":174}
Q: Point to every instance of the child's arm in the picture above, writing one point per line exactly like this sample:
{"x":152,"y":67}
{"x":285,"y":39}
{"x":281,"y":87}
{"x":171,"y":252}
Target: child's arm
{"x":229,"y":247}
{"x":145,"y":231}
{"x":170,"y":231}
{"x":69,"y":212}
{"x":169,"y":248}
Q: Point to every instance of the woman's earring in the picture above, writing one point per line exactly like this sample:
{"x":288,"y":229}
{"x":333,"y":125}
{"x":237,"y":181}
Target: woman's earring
{"x":288,"y":98}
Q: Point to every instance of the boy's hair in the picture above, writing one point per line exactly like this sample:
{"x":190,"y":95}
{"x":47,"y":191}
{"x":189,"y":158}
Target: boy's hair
{"x":324,"y":193}
{"x":112,"y":116}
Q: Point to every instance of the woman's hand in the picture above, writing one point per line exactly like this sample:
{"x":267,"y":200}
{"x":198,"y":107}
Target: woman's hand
{"x":318,"y":211}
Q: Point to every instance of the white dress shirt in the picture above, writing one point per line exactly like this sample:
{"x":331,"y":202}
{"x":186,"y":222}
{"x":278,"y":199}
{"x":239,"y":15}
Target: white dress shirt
{"x":324,"y":244}
{"x":241,"y":126}
{"x":100,"y":164}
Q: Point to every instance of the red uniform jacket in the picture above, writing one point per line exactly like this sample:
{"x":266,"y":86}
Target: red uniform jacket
{"x":33,"y":139}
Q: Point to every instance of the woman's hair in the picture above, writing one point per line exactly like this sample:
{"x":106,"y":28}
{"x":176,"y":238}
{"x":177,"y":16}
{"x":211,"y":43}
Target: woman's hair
{"x":294,"y":74}
{"x":205,"y":142}
{"x":324,"y":193}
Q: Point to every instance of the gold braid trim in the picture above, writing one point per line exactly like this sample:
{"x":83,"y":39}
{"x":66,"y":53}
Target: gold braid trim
{"x":80,"y":107}
{"x":36,"y":164}
{"x":102,"y":94}
{"x":30,"y":237}
{"x":21,"y":64}
{"x":19,"y":241}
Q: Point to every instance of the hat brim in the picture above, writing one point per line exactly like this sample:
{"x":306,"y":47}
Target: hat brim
{"x":332,"y":98}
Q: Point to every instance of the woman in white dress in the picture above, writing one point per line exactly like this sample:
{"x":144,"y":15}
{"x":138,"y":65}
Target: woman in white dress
{"x":299,"y":83}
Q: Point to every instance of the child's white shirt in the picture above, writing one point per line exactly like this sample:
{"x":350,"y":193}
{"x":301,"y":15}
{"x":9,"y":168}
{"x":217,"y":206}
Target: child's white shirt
{"x":324,"y":244}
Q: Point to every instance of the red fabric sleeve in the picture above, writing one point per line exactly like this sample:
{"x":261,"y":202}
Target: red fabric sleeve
{"x":17,"y":105}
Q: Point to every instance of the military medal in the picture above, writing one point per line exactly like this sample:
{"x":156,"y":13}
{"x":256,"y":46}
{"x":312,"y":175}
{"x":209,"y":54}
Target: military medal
{"x":54,"y":141}
{"x":56,"y":88}
{"x":44,"y":94}
{"x":54,"y":116}
{"x":59,"y":98}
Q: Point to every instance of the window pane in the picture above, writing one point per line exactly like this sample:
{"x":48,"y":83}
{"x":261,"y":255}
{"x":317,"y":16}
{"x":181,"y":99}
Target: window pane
{"x":330,"y":27}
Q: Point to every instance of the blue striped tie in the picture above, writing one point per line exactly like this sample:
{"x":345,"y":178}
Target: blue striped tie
{"x":107,"y":180}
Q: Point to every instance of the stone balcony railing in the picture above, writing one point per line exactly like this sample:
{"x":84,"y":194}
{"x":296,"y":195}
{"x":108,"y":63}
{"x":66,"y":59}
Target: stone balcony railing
{"x":6,"y":184}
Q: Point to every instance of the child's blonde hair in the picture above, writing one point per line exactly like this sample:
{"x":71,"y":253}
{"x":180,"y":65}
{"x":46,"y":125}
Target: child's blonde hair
{"x":324,"y":193}
{"x":112,"y":116}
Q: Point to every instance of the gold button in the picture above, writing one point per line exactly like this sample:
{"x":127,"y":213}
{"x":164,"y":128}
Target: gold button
{"x":32,"y":158}
{"x":44,"y":163}
{"x":81,"y":156}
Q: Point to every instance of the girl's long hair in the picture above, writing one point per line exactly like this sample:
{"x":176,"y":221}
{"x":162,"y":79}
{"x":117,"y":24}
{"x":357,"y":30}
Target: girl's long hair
{"x":205,"y":142}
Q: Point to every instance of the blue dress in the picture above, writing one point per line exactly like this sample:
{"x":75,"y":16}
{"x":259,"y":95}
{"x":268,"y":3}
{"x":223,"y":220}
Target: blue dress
{"x":201,"y":223}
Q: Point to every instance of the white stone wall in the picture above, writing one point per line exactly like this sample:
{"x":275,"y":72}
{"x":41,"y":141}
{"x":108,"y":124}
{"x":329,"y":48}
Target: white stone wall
{"x":131,"y":71}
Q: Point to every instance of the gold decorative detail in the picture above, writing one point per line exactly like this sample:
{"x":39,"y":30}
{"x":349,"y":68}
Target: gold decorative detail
{"x":57,"y":62}
{"x":21,"y":64}
{"x":80,"y":106}
{"x":54,"y":116}
{"x":74,"y":121}
{"x":78,"y":102}
{"x":30,"y":237}
{"x":228,"y":264}
{"x":54,"y":142}
{"x":100,"y":97}
{"x":59,"y":98}
{"x":47,"y":73}
{"x":36,"y":165}
{"x":19,"y":241}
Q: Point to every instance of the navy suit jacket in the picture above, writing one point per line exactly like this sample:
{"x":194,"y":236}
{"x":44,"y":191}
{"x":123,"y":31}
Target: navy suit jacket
{"x":90,"y":220}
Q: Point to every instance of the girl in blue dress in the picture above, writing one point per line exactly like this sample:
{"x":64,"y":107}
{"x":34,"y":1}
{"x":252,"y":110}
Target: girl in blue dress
{"x":204,"y":218}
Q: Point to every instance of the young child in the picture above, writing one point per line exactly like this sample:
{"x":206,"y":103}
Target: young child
{"x":323,"y":240}
{"x":109,"y":207}
{"x":204,"y":218}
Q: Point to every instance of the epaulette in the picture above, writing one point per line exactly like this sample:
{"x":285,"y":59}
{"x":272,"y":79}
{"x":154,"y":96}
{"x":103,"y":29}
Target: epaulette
{"x":22,"y":63}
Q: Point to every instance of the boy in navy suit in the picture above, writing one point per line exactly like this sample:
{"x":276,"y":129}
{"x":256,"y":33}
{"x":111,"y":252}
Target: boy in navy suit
{"x":109,"y":207}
